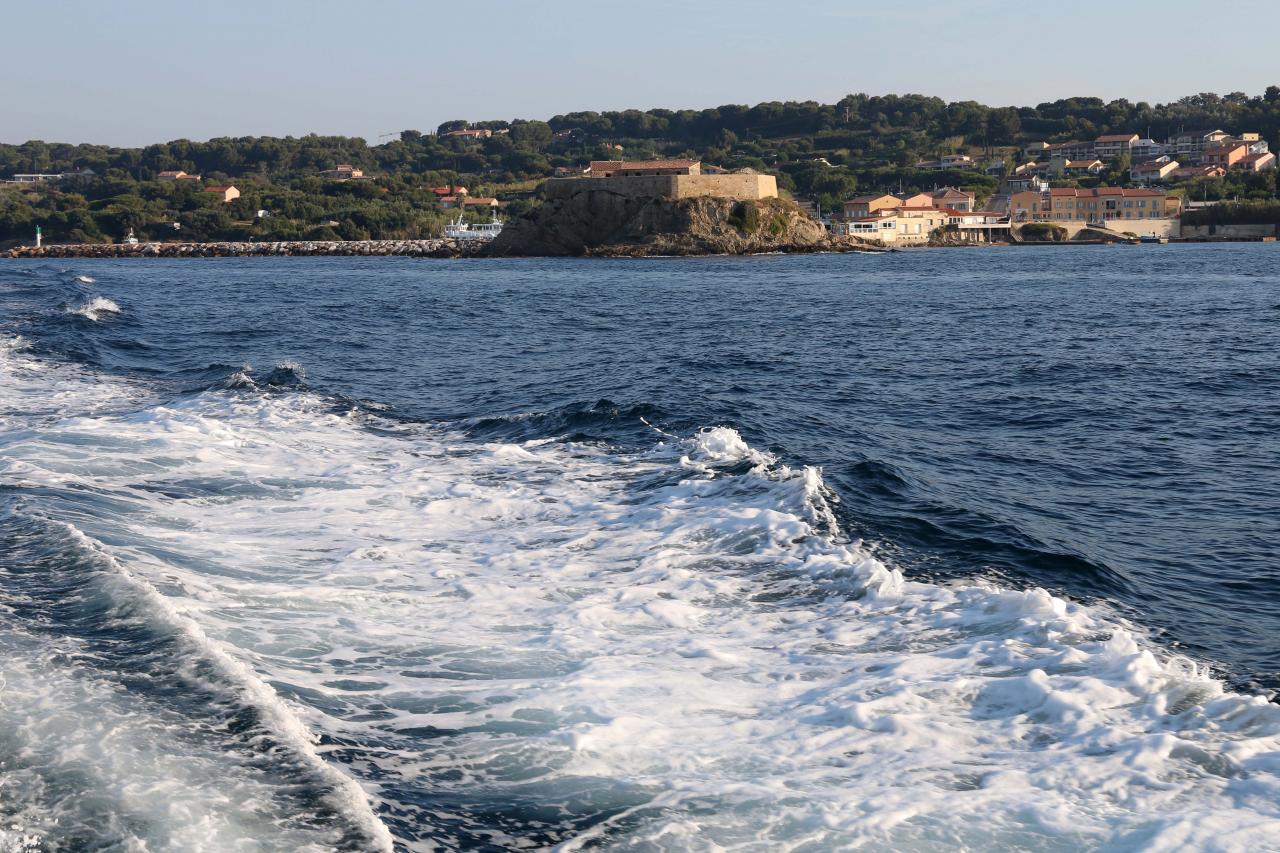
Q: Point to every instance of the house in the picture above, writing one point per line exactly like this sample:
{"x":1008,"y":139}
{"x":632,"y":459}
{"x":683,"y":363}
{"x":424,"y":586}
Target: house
{"x":37,"y":178}
{"x":342,"y":172}
{"x":1071,"y":204}
{"x":1024,"y":182}
{"x":950,"y":197}
{"x":976,"y":226}
{"x":228,"y":192}
{"x":1154,"y":171}
{"x":1186,"y":173}
{"x":1114,"y":145}
{"x":1073,"y":150}
{"x":1224,"y":156}
{"x":642,"y":168}
{"x":899,"y":225}
{"x":1035,"y":150}
{"x":1257,"y":145}
{"x":476,"y":133}
{"x":1082,"y":167}
{"x":957,"y":161}
{"x":917,"y":200}
{"x":441,"y":192}
{"x":480,"y":202}
{"x":1188,"y":144}
{"x":1146,"y":150}
{"x":1257,"y":162}
{"x":171,"y":175}
{"x":867,"y":205}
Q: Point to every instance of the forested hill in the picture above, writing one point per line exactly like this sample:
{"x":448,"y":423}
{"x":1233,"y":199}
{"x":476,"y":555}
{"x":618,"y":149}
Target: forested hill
{"x":821,"y":151}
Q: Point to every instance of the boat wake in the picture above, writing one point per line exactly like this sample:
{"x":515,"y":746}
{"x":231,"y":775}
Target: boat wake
{"x":508,"y":639}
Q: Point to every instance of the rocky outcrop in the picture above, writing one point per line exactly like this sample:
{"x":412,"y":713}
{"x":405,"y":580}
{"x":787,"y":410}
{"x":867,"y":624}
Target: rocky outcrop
{"x":441,"y":248}
{"x":597,"y":222}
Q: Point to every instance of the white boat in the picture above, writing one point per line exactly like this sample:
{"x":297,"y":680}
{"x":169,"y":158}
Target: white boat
{"x":459,"y":230}
{"x":130,"y":240}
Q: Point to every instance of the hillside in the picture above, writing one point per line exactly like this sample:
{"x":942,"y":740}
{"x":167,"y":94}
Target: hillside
{"x":823,"y":152}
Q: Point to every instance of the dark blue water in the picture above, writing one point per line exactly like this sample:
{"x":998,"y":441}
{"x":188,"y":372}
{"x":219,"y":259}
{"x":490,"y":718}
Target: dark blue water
{"x":1104,"y":422}
{"x":1101,"y":422}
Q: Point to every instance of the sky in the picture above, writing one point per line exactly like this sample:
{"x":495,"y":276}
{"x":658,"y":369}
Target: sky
{"x":129,"y":72}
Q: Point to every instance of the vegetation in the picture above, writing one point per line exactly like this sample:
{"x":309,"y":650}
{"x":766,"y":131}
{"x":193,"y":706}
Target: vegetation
{"x":745,"y":216}
{"x":825,"y":152}
{"x":1243,"y":213}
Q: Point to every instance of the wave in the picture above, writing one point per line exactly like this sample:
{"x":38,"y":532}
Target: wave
{"x":84,"y":279}
{"x":515,"y":633}
{"x":114,"y":635}
{"x":95,"y":309}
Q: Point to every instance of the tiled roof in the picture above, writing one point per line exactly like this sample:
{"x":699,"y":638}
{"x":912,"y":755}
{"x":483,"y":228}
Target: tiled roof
{"x":1074,"y":192}
{"x":1118,"y":137}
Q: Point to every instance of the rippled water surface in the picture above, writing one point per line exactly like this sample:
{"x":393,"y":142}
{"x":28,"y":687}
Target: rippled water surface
{"x":923,"y":551}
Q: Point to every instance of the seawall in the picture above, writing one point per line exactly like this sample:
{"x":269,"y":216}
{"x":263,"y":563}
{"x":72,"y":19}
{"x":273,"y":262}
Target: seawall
{"x":436,"y":248}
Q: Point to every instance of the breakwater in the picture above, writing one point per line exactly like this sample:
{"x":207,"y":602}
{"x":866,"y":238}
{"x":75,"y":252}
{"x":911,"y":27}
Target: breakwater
{"x":434,"y":248}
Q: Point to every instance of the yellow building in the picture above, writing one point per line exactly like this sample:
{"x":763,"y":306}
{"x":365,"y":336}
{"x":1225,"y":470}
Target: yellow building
{"x":901,"y":225}
{"x":228,"y":194}
{"x":1102,"y":205}
{"x":868,"y":205}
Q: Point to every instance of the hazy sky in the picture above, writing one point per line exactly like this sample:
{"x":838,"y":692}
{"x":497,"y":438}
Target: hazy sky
{"x":129,"y":72}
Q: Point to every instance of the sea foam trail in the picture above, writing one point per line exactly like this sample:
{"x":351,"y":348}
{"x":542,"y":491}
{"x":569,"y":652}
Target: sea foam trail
{"x":550,"y":643}
{"x":125,"y":727}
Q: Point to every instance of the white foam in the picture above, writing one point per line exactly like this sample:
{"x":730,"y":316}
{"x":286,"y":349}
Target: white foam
{"x":678,"y":623}
{"x":84,"y":279}
{"x":95,"y":309}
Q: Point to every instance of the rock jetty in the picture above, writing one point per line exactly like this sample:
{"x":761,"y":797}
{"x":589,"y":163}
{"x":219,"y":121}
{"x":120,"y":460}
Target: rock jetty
{"x":437,"y":248}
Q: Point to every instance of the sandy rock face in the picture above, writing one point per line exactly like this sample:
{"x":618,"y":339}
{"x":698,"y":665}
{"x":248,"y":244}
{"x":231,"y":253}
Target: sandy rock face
{"x":600,"y":222}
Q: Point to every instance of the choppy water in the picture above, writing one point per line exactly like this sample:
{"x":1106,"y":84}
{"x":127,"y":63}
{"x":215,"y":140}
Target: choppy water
{"x":937,"y":551}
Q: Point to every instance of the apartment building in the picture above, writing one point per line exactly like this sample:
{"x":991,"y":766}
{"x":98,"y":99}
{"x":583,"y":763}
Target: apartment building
{"x":1224,"y":156}
{"x":1114,"y":145}
{"x":1101,"y":205}
{"x":1188,"y":145}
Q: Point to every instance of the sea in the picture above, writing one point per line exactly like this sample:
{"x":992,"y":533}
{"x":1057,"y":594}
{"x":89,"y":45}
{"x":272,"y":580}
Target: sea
{"x":956,"y":550}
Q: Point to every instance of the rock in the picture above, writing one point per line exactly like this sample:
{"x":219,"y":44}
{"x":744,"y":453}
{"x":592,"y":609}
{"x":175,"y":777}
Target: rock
{"x":600,"y":222}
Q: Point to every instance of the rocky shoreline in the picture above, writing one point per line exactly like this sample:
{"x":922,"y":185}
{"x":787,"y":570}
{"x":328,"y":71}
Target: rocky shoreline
{"x":436,"y":248}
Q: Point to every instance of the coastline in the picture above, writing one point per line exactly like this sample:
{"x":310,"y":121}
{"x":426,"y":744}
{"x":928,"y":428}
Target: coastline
{"x":444,"y":248}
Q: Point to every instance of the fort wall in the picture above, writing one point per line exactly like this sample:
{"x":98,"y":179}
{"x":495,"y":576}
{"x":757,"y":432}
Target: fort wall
{"x":737,"y":187}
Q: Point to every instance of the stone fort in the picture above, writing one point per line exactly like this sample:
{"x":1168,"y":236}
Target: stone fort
{"x":671,"y":179}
